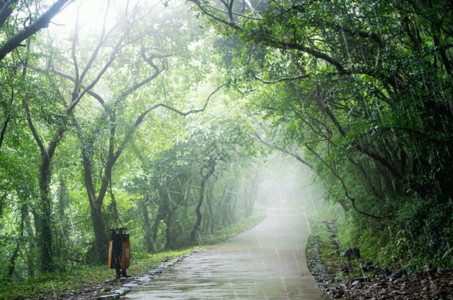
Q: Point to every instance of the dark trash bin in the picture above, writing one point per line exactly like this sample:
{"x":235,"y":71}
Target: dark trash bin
{"x":119,"y":251}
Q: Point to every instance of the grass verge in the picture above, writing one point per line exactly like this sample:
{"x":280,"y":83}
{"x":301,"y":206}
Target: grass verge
{"x":222,"y":234}
{"x":58,"y":284}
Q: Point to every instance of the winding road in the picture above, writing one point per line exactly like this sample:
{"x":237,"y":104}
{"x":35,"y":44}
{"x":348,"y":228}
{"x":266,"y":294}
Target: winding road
{"x":266,"y":262}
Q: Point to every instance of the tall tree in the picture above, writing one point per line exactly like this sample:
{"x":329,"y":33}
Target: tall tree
{"x":369,"y":82}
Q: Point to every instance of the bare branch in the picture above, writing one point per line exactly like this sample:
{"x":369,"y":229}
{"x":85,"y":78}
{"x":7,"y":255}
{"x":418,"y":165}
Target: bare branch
{"x":101,"y":42}
{"x":75,"y":38}
{"x":234,"y":13}
{"x":232,"y":24}
{"x":98,"y":77}
{"x":303,"y":76}
{"x":69,"y":77}
{"x":156,"y":73}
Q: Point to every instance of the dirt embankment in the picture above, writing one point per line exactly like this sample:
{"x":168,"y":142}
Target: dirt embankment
{"x":335,"y":275}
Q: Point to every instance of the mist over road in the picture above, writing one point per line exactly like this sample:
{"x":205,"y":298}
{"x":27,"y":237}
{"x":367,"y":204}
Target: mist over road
{"x":267,"y":262}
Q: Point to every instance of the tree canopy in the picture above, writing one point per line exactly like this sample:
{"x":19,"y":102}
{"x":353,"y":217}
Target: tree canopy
{"x":160,"y":116}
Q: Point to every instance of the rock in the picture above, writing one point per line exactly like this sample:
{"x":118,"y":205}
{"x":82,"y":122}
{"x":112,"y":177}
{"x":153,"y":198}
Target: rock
{"x":398,"y":274}
{"x":123,"y":290}
{"x":385,"y":271}
{"x":356,"y":284}
{"x":367,"y":266}
{"x":144,"y":279}
{"x":352,"y":253}
{"x":154,"y":272}
{"x":108,"y":297}
{"x":131,"y":285}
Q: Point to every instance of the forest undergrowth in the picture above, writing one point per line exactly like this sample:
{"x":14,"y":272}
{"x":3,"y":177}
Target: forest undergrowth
{"x":367,"y":275}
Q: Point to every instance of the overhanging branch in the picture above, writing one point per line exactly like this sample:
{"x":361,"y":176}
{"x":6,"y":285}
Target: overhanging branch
{"x":284,"y":151}
{"x":345,"y":188}
{"x":41,"y":22}
{"x":283,"y":79}
{"x":142,"y":116}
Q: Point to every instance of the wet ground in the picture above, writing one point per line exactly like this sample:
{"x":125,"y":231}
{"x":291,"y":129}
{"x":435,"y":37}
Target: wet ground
{"x":267,"y":262}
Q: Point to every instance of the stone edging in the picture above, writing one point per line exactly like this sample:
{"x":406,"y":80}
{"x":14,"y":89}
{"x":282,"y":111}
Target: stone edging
{"x":135,"y":281}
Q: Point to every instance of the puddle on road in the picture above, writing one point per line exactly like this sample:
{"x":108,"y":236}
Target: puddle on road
{"x":267,"y":262}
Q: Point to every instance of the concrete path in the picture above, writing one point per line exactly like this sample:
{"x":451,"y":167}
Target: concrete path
{"x":267,"y":262}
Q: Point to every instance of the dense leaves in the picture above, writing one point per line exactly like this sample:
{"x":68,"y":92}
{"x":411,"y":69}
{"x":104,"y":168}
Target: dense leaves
{"x":150,"y":119}
{"x":97,"y":134}
{"x":365,"y":88}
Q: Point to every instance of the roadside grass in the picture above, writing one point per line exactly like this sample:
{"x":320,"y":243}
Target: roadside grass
{"x":335,"y":266}
{"x":224,"y":233}
{"x":58,"y":284}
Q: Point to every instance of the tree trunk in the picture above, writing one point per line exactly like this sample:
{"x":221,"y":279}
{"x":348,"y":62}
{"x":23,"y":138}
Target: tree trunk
{"x":149,"y":241}
{"x":100,"y":235}
{"x":168,"y":235}
{"x":13,"y":257}
{"x":210,"y":222}
{"x":155,"y":229}
{"x":44,"y":228}
{"x":196,"y":227}
{"x":45,"y":212}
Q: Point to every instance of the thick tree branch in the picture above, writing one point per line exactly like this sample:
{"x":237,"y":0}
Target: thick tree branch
{"x":142,"y":116}
{"x":341,"y":70}
{"x":41,"y":22}
{"x":6,"y":10}
{"x":345,"y":189}
{"x":69,"y":77}
{"x":328,"y":111}
{"x":202,"y":8}
{"x":303,"y":76}
{"x":362,"y":149}
{"x":8,"y":118}
{"x":284,"y":151}
{"x":156,"y":73}
{"x":33,"y":129}
{"x":363,"y":34}
{"x":234,"y":13}
{"x":3,"y":131}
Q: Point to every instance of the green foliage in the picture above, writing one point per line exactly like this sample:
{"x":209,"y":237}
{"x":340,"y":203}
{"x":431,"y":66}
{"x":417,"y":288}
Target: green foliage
{"x":59,"y":284}
{"x":365,"y":88}
{"x":93,"y":137}
{"x":223,"y":233}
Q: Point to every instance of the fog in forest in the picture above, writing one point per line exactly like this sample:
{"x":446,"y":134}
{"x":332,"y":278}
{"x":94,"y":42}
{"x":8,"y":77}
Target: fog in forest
{"x":286,"y":183}
{"x":187,"y":121}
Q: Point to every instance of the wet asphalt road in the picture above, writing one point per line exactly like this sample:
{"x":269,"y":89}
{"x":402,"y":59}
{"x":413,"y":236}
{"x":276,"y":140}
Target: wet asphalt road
{"x":267,"y":262}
